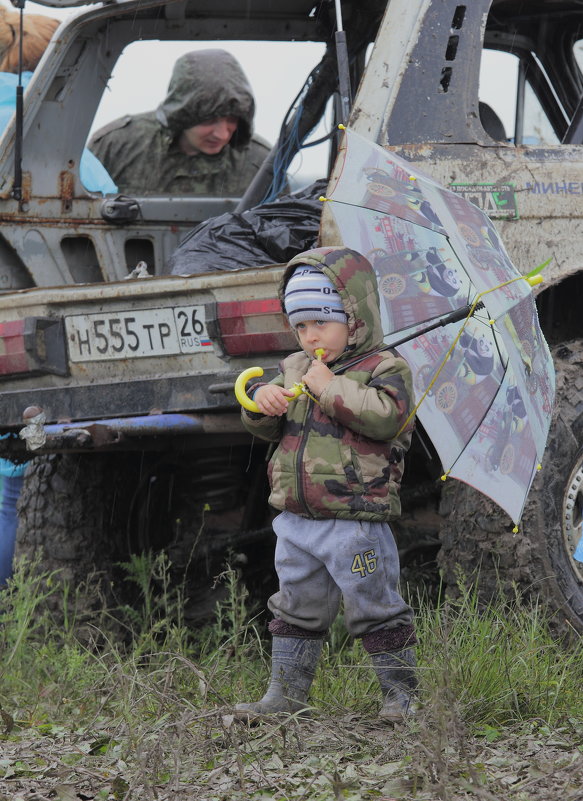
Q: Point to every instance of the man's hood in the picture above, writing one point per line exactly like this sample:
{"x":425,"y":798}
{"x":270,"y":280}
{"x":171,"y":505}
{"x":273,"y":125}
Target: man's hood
{"x":207,"y":84}
{"x":355,"y":280}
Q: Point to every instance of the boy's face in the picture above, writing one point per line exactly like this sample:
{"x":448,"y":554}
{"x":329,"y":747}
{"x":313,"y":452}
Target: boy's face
{"x":331,"y":336}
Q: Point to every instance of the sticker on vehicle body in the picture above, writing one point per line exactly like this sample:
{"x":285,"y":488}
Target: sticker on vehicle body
{"x":498,"y":201}
{"x":131,"y":334}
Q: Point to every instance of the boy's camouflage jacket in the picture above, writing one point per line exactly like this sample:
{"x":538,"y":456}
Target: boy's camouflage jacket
{"x":342,"y":457}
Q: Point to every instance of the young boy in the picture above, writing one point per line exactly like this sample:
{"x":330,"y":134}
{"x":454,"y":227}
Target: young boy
{"x":335,"y":477}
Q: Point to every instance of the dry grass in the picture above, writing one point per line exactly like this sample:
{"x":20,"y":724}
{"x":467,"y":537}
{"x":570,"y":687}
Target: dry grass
{"x":501,"y":712}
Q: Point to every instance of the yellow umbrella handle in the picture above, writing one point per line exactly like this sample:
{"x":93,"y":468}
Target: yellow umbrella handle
{"x":240,"y":394}
{"x":256,"y":372}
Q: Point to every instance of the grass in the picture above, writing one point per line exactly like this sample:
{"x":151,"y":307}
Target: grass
{"x":89,"y":712}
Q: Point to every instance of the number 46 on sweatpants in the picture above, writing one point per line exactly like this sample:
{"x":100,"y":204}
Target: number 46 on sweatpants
{"x":364,"y":563}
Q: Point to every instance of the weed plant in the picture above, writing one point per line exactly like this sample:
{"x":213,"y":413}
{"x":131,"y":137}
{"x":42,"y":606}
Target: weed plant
{"x":145,"y":702}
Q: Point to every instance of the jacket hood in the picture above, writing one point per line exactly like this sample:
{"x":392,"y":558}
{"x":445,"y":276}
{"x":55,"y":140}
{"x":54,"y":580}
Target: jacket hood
{"x":355,"y":280}
{"x":207,"y":84}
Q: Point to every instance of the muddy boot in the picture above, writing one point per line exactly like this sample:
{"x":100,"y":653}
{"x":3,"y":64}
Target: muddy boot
{"x":393,"y":658}
{"x":397,"y":676}
{"x":293,"y":665}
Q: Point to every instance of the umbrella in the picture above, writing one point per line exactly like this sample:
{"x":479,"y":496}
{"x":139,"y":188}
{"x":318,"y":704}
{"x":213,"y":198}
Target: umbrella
{"x":458,"y":310}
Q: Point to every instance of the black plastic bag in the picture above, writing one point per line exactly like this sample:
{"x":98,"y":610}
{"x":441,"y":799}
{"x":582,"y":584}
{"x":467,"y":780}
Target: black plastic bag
{"x":269,"y":234}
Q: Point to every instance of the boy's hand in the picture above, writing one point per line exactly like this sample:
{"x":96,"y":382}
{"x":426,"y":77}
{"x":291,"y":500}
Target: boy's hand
{"x":318,"y":377}
{"x":272,"y":400}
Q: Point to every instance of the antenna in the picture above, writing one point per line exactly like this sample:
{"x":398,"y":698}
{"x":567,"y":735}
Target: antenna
{"x":17,"y":187}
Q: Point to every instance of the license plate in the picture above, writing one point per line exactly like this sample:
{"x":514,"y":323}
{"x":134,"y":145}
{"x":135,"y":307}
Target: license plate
{"x":132,"y":334}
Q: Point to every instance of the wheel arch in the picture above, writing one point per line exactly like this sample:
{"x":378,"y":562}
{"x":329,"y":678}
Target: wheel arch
{"x":560,"y":307}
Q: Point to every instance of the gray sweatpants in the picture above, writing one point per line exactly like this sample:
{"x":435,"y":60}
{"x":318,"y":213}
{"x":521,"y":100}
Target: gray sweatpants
{"x":318,"y":562}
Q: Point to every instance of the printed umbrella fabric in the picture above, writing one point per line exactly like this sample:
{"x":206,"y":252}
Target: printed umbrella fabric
{"x":485,"y":385}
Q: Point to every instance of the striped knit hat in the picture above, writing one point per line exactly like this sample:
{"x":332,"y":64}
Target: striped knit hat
{"x":310,"y":295}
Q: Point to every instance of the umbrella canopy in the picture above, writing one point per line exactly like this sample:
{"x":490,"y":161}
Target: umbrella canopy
{"x":485,"y":384}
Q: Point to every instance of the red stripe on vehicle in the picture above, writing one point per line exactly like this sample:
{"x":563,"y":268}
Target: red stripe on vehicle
{"x":13,"y":356}
{"x":254,"y":326}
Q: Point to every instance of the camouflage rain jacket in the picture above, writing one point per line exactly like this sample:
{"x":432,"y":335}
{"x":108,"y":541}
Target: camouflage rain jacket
{"x":141,"y":154}
{"x":343,"y":457}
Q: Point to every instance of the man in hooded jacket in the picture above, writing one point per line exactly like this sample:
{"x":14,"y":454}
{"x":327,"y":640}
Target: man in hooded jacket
{"x":199,"y":141}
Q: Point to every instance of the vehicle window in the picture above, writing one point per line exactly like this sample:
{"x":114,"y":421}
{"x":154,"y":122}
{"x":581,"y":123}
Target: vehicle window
{"x":499,"y":81}
{"x":537,"y":128}
{"x":498,"y":86}
{"x":276,"y":72}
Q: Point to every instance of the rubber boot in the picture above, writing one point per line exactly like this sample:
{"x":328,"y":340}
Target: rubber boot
{"x":293,"y":666}
{"x":398,"y":679}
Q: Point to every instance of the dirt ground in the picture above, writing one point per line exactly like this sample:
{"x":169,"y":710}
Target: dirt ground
{"x":211,"y":757}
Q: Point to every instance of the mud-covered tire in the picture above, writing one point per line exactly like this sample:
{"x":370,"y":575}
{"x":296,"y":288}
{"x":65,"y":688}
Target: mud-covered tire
{"x":69,"y":515}
{"x":477,"y":541}
{"x":65,"y":509}
{"x":83,"y":514}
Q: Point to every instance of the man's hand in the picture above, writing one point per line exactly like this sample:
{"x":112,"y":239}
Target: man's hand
{"x":318,"y":377}
{"x":272,"y":400}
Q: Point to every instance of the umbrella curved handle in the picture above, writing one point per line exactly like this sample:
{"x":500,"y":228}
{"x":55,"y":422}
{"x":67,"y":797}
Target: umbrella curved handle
{"x":245,"y":400}
{"x":256,"y":372}
{"x":241,"y":394}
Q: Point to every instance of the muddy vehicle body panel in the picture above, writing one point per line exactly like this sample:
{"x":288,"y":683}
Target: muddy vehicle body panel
{"x":107,"y":343}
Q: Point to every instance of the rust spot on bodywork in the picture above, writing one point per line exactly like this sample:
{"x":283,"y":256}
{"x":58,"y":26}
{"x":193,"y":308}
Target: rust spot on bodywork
{"x":26,"y":187}
{"x":66,"y":189}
